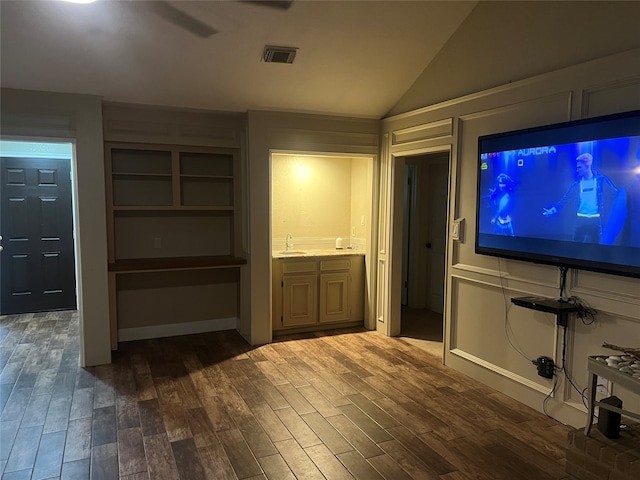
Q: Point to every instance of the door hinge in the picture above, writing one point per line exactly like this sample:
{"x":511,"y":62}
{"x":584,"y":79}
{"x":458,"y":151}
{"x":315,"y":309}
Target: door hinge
{"x":282,"y":283}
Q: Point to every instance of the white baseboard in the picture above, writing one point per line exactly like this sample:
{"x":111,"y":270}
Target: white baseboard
{"x":175,"y":329}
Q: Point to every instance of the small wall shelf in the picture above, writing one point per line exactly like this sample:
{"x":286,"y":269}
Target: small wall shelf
{"x":560,"y":308}
{"x":134,"y":265}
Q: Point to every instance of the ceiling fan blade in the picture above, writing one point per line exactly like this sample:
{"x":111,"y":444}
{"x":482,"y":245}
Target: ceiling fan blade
{"x":170,"y":13}
{"x":279,"y":4}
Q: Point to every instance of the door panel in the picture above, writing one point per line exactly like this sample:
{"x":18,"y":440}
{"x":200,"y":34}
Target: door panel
{"x":37,"y":262}
{"x":300,"y":297}
{"x":334,"y":297}
{"x":437,"y":192}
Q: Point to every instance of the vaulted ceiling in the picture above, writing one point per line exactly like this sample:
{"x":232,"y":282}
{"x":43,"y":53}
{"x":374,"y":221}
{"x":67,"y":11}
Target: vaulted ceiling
{"x":354,"y":57}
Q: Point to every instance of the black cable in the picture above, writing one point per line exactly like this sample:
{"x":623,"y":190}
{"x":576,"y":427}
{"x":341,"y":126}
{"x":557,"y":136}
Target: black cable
{"x":563,"y":280}
{"x":553,"y":389}
{"x":587,"y":314}
{"x":564,"y":369}
{"x":506,"y":315}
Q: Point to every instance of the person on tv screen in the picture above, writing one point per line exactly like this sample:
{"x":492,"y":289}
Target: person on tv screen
{"x":500,"y":196}
{"x":586,"y":194}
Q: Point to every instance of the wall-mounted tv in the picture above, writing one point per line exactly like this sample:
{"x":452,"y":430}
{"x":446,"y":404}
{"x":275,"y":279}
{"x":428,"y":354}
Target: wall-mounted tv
{"x":566,"y":194}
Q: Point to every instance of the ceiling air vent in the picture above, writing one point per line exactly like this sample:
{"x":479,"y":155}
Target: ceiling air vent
{"x":279,"y":54}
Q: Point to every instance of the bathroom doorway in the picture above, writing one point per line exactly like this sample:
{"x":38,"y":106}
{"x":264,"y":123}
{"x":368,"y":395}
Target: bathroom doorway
{"x":424,"y":249}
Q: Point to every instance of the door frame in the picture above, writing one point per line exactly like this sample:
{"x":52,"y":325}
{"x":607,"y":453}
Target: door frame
{"x":74,"y":219}
{"x":46,"y":116}
{"x":395,"y":201}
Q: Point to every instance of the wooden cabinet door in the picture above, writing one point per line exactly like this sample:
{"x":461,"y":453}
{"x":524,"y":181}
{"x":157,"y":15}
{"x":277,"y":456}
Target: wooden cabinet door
{"x":300,"y":300}
{"x":334,"y":297}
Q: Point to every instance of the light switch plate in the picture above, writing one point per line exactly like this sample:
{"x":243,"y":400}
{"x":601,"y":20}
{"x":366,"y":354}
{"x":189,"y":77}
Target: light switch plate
{"x":457,"y":229}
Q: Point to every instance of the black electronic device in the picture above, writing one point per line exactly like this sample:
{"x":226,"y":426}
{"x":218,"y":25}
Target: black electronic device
{"x":546,"y":366}
{"x":560,"y":308}
{"x":548,"y":305}
{"x":608,"y":421}
{"x":537,"y":202}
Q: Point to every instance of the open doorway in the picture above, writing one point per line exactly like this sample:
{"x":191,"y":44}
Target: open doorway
{"x":37,"y":263}
{"x":424,"y":250}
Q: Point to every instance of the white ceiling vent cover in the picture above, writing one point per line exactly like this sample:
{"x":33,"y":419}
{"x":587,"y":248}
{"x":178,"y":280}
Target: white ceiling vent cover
{"x":279,"y":54}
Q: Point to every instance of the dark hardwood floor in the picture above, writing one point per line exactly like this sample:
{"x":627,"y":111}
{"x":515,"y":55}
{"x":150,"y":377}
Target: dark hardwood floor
{"x":347,"y":404}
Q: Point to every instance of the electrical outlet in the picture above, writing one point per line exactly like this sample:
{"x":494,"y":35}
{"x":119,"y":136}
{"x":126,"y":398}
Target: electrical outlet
{"x":546,"y":366}
{"x":602,"y":386}
{"x":353,"y":231}
{"x":362,"y":220}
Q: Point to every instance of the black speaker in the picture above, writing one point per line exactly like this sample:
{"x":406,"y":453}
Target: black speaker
{"x":608,"y":421}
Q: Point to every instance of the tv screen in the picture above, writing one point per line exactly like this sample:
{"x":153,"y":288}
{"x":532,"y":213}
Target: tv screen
{"x":566,"y":194}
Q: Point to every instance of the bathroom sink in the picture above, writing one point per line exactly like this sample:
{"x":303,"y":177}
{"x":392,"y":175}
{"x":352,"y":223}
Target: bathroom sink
{"x":293,"y":252}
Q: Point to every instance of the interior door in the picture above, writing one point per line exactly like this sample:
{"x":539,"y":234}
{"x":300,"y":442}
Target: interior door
{"x":37,"y":268}
{"x":437,"y":225}
{"x":407,"y":217}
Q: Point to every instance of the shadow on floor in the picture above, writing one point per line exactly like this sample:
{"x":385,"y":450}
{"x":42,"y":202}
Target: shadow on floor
{"x":422,"y":328}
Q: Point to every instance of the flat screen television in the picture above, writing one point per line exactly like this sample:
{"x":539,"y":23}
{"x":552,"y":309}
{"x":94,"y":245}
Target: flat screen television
{"x":566,"y":194}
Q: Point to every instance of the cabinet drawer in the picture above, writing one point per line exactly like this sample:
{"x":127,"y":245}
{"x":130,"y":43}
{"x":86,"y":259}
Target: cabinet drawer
{"x":337,"y":264}
{"x":298,"y":267}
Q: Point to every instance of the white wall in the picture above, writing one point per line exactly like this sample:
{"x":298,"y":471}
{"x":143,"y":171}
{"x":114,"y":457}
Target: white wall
{"x":318,"y":198}
{"x":311,"y":196}
{"x":503,"y":42}
{"x":479,"y":287}
{"x":78,"y":118}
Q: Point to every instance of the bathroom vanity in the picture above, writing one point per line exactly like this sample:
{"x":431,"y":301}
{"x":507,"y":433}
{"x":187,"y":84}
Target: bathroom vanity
{"x":317,"y":289}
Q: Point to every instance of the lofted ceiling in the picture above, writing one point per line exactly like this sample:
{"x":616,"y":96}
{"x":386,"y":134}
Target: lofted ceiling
{"x":354,"y":57}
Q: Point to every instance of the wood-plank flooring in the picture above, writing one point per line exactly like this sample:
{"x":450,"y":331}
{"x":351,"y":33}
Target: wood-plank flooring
{"x":346,"y":404}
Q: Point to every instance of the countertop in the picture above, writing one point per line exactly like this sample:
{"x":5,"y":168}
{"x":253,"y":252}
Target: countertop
{"x":311,"y":252}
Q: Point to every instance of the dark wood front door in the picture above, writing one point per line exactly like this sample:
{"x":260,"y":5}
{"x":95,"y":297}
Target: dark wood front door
{"x":37,"y":260}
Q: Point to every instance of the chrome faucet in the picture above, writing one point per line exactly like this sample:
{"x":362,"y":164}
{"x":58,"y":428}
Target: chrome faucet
{"x":287,"y":244}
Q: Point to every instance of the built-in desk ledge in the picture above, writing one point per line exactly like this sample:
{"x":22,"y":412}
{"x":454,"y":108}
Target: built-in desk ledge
{"x":132,"y":265}
{"x":320,"y":252}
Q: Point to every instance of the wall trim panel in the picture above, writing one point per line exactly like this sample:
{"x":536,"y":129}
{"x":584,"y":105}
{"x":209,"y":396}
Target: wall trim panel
{"x":503,"y":372}
{"x":426,"y":131}
{"x":146,"y":124}
{"x":325,"y":140}
{"x":599,"y":97}
{"x":495,"y":274}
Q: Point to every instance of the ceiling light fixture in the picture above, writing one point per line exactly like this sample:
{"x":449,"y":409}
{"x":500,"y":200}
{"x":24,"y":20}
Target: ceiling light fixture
{"x":79,"y":1}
